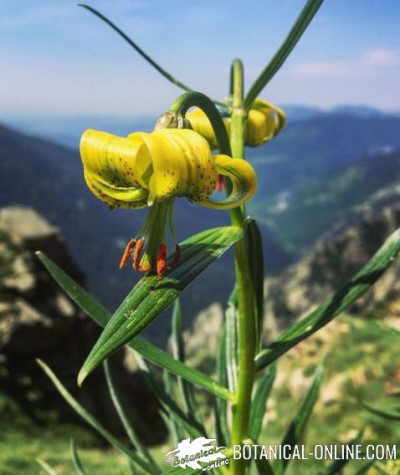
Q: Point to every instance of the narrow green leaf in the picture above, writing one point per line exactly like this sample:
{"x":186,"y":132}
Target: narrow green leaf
{"x":300,"y":26}
{"x":129,"y":429}
{"x":151,"y":295}
{"x":231,"y":340}
{"x":180,"y":471}
{"x":144,"y":55}
{"x":137,"y":48}
{"x":220,"y":406}
{"x":93,"y":422}
{"x":256,"y":260}
{"x":168,"y":405}
{"x":333,"y":306}
{"x":46,"y":467}
{"x":381,"y":470}
{"x":259,"y":405}
{"x":264,"y":467}
{"x":392,"y":416}
{"x":365,"y":468}
{"x":336,"y":466}
{"x":76,"y":459}
{"x":178,"y":352}
{"x":174,"y":424}
{"x":101,"y":316}
{"x":296,"y":430}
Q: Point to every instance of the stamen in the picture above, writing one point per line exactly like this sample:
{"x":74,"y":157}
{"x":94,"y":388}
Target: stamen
{"x":130,"y":246}
{"x":162,"y":260}
{"x":136,"y":254}
{"x":177,"y":256}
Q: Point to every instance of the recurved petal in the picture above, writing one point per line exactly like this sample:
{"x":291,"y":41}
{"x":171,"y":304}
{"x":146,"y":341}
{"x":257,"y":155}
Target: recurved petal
{"x":202,"y":125}
{"x":265,"y":120}
{"x":110,"y":168}
{"x":182,"y":165}
{"x":243,"y":179}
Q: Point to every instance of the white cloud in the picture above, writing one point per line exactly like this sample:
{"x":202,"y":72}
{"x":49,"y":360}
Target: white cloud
{"x":368,"y":63}
{"x":322,"y":69}
{"x":381,"y":57}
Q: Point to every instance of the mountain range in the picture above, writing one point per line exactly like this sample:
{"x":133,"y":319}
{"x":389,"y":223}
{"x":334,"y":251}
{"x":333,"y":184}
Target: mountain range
{"x":48,"y":177}
{"x":314,"y":178}
{"x":318,"y":168}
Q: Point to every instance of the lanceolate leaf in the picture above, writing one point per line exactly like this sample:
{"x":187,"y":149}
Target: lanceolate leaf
{"x":256,"y":258}
{"x":175,"y":428}
{"x":364,"y":470}
{"x":299,"y":27}
{"x":296,"y":430}
{"x":169,"y":408}
{"x":220,"y":406}
{"x":129,"y":429}
{"x":392,"y":416}
{"x":264,"y":467}
{"x":46,"y":467}
{"x":231,"y":340}
{"x":101,"y":316}
{"x":178,"y":352}
{"x":152,"y":295}
{"x":76,"y":460}
{"x":336,"y":467}
{"x":94,"y":423}
{"x":333,"y":306}
{"x":259,"y":405}
{"x":142,"y":53}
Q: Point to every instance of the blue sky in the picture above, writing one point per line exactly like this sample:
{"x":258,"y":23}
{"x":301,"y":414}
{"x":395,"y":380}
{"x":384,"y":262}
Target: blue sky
{"x":57,"y":59}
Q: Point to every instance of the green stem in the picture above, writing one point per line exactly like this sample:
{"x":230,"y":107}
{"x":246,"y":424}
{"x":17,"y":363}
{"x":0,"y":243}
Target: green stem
{"x":138,"y":49}
{"x":246,"y":314}
{"x":197,"y":99}
{"x":301,"y":24}
{"x":246,"y":304}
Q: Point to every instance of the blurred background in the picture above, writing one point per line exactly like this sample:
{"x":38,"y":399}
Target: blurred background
{"x":328,"y":196}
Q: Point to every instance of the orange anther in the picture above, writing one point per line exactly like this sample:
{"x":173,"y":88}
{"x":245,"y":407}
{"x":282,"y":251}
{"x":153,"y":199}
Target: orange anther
{"x":127,"y":253}
{"x":136,"y":254}
{"x":162,"y":260}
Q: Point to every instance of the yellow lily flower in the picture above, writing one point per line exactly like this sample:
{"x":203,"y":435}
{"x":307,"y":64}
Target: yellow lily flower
{"x":150,"y":169}
{"x":201,"y":124}
{"x":146,"y":168}
{"x":264,"y":121}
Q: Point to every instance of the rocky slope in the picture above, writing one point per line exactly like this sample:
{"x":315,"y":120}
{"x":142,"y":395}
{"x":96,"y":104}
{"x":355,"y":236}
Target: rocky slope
{"x":38,"y":321}
{"x":331,"y":263}
{"x":305,"y":284}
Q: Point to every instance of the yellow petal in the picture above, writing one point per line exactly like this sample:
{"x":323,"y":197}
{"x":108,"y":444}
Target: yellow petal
{"x":264,"y":121}
{"x":242,"y":177}
{"x":110,"y":168}
{"x":182,"y":164}
{"x":201,"y":124}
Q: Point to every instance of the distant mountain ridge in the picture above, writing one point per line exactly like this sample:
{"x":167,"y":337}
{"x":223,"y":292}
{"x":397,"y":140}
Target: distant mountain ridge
{"x":48,"y":177}
{"x":308,"y":170}
{"x":67,"y":130}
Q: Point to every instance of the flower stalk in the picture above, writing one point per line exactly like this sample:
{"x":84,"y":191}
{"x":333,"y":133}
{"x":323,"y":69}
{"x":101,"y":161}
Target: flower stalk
{"x":246,"y":294}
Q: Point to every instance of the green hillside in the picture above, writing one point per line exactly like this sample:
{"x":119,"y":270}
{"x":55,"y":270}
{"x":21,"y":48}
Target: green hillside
{"x":310,"y":209}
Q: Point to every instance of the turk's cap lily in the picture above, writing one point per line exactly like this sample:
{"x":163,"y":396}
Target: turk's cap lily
{"x":151,"y":169}
{"x":264,"y":121}
{"x":146,"y":168}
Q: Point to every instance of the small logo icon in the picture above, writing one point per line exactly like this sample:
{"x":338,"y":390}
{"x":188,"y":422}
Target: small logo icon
{"x":199,"y":454}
